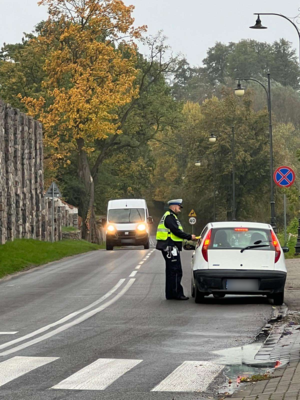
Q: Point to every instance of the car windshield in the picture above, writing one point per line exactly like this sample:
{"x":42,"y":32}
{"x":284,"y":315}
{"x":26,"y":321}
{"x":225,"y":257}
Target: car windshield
{"x":126,"y":215}
{"x":239,"y":238}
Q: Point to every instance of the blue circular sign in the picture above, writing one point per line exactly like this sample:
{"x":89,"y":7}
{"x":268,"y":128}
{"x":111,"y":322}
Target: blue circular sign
{"x":284,"y":177}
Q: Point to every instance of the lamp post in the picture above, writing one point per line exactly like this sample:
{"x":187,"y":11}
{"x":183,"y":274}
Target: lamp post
{"x":239,"y":91}
{"x":258,"y":25}
{"x":213,"y":139}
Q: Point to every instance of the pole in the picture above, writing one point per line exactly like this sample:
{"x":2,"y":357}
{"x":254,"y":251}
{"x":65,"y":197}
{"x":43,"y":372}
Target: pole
{"x":284,"y":217}
{"x":233,"y":176}
{"x":214,"y":186}
{"x":273,"y":218}
{"x":297,"y":247}
{"x":52,"y":232}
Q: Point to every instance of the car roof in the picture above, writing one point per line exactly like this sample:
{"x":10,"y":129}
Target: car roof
{"x":240,"y":224}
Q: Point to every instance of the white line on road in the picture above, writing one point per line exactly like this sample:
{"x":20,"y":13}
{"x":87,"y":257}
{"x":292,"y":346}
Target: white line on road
{"x":141,"y":263}
{"x":133,"y":274}
{"x":61,"y":321}
{"x":191,"y":376}
{"x":18,"y":366}
{"x":70,"y":324}
{"x":98,"y":375}
{"x":138,"y":267}
{"x":8,"y":333}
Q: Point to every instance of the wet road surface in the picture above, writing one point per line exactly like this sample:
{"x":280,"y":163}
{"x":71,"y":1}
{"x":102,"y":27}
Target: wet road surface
{"x":98,"y":326}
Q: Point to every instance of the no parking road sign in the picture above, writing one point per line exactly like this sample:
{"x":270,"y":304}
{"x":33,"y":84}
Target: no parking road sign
{"x":284,"y":177}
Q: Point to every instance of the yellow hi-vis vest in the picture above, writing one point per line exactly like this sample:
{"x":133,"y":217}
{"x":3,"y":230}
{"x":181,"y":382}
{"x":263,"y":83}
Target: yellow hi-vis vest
{"x":163,"y":233}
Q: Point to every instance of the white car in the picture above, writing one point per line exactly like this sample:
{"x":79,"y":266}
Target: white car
{"x":238,"y":258}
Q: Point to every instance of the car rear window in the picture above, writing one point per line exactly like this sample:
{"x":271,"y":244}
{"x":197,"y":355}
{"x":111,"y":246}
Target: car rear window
{"x":238,"y":238}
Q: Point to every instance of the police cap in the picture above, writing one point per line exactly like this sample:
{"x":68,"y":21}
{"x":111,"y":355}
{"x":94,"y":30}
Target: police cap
{"x":176,"y":202}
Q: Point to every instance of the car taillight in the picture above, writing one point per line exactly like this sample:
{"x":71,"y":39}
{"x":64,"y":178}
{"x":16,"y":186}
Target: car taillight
{"x":206,"y":243}
{"x":276,"y":246}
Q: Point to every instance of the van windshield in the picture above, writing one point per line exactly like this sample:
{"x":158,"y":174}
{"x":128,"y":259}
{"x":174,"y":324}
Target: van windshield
{"x":126,"y":215}
{"x":239,"y":238}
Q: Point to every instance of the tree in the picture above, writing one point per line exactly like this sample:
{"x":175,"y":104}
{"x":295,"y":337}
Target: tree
{"x":89,"y":75}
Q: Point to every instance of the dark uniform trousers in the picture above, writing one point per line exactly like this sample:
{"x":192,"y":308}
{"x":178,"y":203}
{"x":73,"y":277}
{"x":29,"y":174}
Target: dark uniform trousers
{"x":173,"y":275}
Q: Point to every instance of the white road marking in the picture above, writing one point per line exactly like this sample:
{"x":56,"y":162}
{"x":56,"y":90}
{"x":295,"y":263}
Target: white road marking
{"x":18,"y":366}
{"x":8,"y":333}
{"x":133,"y":274}
{"x":70,"y":324}
{"x":191,"y":376}
{"x":138,"y":267}
{"x":141,"y":263}
{"x":98,"y":375}
{"x":61,"y":321}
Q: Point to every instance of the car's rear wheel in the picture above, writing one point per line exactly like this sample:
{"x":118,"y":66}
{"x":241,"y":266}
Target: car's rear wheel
{"x":219,"y":295}
{"x":147,"y":245}
{"x":192,"y":288}
{"x":199,"y":297}
{"x":109,"y":246}
{"x":278,"y":299}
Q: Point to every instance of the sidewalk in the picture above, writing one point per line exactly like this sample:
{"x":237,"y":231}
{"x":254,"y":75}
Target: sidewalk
{"x":284,"y":346}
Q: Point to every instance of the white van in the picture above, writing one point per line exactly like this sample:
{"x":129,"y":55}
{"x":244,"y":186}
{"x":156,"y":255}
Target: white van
{"x":127,"y":223}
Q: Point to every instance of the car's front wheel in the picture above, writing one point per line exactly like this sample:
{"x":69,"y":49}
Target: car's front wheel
{"x":278,"y":299}
{"x":147,"y":245}
{"x":192,"y":288}
{"x":198,"y":296}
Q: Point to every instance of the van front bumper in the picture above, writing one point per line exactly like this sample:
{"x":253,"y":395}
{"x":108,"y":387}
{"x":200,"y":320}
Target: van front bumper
{"x":215,"y":281}
{"x":127,"y":238}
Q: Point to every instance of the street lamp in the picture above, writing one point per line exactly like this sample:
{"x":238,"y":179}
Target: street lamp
{"x":258,"y":24}
{"x":238,"y":92}
{"x":213,"y":139}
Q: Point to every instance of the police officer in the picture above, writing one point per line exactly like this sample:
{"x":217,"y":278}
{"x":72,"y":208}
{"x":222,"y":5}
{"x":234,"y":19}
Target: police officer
{"x":169,"y":238}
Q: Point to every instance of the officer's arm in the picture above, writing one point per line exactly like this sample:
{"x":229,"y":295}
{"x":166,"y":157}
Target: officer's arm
{"x":170,"y":223}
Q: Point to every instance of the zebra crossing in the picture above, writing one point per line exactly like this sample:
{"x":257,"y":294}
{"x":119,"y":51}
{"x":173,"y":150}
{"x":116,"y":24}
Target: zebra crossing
{"x":190,"y":376}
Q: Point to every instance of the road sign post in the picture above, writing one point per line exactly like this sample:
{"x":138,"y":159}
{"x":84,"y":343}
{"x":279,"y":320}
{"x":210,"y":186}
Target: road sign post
{"x":53,"y":192}
{"x":192,"y":222}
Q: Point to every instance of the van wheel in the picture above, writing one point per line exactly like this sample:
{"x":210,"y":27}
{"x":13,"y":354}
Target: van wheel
{"x":278,"y":299}
{"x":147,"y":245}
{"x":109,"y":246}
{"x":199,"y":297}
{"x":192,"y":289}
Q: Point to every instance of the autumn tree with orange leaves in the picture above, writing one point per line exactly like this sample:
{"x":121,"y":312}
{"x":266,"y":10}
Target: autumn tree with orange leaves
{"x":90,"y":71}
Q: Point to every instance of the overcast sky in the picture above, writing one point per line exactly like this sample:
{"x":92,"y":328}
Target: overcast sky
{"x":192,"y":26}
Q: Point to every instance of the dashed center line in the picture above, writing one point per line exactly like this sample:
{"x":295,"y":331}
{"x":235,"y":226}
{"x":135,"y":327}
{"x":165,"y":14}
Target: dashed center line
{"x":133,"y":273}
{"x":138,"y":267}
{"x":8,"y":333}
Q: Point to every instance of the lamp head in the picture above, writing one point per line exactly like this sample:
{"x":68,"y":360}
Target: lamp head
{"x":258,"y":24}
{"x":212,"y":138}
{"x":239,"y":91}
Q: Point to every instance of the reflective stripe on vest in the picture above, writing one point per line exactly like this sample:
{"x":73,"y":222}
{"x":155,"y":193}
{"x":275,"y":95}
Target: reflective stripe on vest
{"x":163,"y":233}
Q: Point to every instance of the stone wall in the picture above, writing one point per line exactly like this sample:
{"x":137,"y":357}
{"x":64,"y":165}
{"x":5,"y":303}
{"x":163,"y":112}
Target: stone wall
{"x":24,"y":210}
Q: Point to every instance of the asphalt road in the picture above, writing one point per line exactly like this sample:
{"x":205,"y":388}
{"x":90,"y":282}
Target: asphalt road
{"x":97,"y":326}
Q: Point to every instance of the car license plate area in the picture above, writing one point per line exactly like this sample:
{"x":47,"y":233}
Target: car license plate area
{"x":242,"y":285}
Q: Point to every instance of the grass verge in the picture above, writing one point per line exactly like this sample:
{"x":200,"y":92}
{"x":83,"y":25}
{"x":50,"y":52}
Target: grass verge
{"x":22,"y":254}
{"x":290,"y":244}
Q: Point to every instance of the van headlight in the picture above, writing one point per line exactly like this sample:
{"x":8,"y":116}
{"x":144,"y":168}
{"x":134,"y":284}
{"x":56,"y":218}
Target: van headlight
{"x":141,"y":228}
{"x":110,"y":229}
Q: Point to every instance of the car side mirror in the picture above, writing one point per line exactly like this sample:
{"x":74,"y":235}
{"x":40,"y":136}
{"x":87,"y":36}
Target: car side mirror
{"x":188,"y":246}
{"x":150,"y":220}
{"x":285,"y":249}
